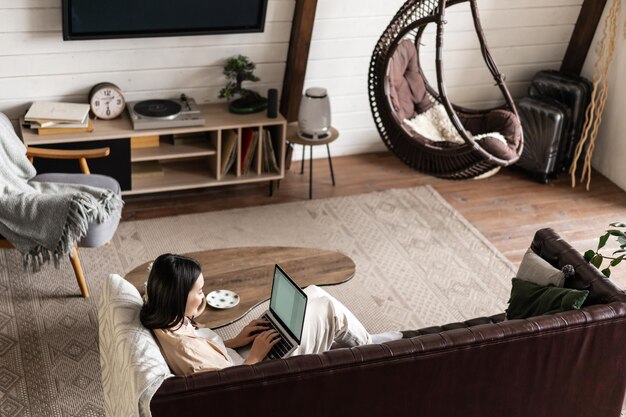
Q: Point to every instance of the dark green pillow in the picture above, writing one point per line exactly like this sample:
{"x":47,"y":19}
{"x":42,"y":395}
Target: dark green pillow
{"x":529,"y":299}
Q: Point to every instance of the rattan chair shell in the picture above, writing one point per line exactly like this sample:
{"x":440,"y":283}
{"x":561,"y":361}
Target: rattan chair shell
{"x":440,"y":159}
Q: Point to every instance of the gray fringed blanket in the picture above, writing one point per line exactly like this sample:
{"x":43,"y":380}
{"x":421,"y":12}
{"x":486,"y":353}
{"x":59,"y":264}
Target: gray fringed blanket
{"x":44,"y":220}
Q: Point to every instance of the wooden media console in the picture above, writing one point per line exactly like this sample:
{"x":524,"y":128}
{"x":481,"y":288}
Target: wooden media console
{"x":181,"y":158}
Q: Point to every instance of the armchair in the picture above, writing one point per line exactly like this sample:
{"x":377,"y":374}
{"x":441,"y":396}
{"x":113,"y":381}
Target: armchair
{"x":97,"y":233}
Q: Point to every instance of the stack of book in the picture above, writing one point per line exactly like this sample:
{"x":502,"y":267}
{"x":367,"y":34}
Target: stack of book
{"x":50,"y":118}
{"x":195,"y":138}
{"x":147,"y":169}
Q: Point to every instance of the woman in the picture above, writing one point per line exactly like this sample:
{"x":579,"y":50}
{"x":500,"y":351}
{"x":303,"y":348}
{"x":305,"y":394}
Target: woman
{"x":175,"y":297}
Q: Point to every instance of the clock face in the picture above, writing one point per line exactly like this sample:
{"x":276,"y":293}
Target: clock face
{"x":107,"y":101}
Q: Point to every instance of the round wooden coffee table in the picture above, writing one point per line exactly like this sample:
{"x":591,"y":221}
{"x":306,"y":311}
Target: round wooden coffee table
{"x":249,"y":271}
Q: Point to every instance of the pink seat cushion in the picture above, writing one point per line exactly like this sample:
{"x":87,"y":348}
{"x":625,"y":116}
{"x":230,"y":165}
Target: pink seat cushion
{"x":407,"y":90}
{"x":501,"y":121}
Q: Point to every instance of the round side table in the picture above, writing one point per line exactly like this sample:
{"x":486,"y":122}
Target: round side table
{"x":293,"y":137}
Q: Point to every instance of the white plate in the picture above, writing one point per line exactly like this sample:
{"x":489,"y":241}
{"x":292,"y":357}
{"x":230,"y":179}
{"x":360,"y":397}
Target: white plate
{"x":222,"y":299}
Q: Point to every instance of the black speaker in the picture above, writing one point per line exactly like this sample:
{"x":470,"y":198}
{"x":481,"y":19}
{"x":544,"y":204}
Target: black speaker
{"x":272,"y":103}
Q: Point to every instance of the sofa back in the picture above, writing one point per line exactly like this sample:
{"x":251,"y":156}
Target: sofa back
{"x":567,"y":364}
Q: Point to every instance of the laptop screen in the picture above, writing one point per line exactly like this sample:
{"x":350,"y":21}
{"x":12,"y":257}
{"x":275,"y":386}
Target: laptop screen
{"x":288,"y":303}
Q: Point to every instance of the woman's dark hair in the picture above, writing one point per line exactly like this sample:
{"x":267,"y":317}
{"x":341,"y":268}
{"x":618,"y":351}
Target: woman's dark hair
{"x":169,"y":282}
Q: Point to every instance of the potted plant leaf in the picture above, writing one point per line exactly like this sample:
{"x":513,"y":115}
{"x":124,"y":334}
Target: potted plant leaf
{"x":595,"y":258}
{"x":237,"y":70}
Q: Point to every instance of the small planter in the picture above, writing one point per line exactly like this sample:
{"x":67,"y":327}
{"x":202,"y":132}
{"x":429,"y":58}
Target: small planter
{"x":248,"y":105}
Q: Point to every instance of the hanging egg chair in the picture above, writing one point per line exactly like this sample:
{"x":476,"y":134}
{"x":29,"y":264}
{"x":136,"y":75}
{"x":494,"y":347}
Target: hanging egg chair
{"x":400,"y":95}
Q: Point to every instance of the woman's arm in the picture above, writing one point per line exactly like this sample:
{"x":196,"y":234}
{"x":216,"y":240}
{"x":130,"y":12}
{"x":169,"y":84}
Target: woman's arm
{"x":261,"y":346}
{"x":247,"y":335}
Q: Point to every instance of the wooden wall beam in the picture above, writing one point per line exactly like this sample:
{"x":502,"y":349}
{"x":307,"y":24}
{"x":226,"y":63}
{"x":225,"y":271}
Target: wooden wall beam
{"x":579,"y":43}
{"x":297,"y":58}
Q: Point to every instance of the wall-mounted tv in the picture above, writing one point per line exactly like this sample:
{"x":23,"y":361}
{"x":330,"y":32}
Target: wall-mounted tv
{"x":102,"y":19}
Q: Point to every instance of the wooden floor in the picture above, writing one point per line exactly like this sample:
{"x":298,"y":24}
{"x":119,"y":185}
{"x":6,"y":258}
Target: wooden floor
{"x":506,"y":208}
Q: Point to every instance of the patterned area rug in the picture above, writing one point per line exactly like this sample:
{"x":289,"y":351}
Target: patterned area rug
{"x":419,"y":263}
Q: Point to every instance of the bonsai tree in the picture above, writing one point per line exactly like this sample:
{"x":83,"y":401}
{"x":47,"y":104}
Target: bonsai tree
{"x":595,"y":258}
{"x":237,"y":70}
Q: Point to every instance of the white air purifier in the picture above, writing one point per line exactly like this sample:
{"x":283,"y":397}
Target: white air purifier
{"x":314,"y":114}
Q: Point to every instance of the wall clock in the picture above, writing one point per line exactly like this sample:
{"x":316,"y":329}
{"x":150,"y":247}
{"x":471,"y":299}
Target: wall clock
{"x":106,"y":101}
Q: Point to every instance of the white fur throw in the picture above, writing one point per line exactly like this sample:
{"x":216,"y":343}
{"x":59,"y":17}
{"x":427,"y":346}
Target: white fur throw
{"x":435,"y":125}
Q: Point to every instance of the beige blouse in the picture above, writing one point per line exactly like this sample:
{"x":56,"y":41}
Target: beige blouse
{"x":187,"y":353}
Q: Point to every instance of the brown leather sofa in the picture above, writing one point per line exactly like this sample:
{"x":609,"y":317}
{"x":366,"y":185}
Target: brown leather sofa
{"x":567,"y":364}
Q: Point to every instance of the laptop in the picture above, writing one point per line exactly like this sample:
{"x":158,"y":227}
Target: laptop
{"x":286,"y":313}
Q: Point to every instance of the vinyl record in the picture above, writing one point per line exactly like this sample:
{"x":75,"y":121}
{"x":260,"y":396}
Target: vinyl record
{"x":157,"y":109}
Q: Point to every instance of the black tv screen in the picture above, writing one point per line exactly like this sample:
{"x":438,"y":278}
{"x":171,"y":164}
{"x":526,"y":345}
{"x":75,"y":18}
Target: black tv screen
{"x":100,"y":19}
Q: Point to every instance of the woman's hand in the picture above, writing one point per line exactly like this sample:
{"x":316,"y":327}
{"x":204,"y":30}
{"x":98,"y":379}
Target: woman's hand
{"x":262,"y":345}
{"x":248,"y":334}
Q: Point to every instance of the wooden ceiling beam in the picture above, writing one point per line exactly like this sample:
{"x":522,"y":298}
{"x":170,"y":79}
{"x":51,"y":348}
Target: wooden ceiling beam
{"x":579,"y":43}
{"x":297,"y":58}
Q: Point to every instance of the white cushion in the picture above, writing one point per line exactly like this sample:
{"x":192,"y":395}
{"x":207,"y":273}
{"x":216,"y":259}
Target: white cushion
{"x":537,"y":270}
{"x":130,"y":359}
{"x":435,"y":124}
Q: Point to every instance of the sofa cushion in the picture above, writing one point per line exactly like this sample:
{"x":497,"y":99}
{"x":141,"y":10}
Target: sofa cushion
{"x":537,"y":270}
{"x":529,"y":299}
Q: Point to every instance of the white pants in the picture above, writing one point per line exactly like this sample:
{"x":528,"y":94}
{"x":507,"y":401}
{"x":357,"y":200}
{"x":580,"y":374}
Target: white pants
{"x":328,"y":323}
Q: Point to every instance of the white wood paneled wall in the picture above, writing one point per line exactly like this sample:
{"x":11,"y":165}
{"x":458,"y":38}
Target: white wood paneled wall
{"x":524,"y":37}
{"x":610,"y":151}
{"x":36,"y":64}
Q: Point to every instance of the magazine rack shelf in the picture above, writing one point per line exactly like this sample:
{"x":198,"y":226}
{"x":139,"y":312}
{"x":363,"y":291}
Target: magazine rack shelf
{"x":179,"y":158}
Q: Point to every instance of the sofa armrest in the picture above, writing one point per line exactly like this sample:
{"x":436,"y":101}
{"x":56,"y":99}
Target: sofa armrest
{"x":33,"y":152}
{"x":131,"y":365}
{"x":551,"y":247}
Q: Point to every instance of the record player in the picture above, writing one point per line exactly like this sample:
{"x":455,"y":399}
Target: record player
{"x":158,"y":114}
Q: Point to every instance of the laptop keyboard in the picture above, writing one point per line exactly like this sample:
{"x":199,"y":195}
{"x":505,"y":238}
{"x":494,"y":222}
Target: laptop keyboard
{"x":281,"y":348}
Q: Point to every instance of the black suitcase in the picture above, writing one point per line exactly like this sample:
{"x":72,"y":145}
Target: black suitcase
{"x":545,"y":125}
{"x":574,"y":92}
